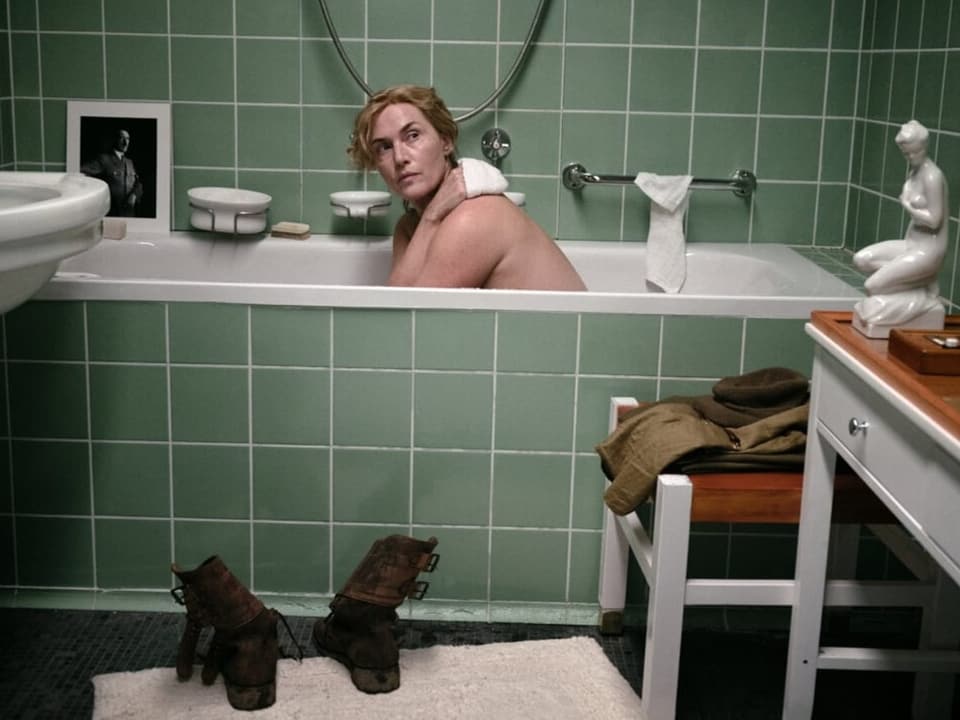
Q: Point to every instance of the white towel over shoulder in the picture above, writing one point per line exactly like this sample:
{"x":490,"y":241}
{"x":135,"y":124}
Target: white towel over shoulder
{"x":482,"y":178}
{"x":666,"y":247}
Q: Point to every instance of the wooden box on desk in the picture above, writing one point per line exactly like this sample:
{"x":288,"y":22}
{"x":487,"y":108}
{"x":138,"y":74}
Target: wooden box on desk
{"x":918,"y":350}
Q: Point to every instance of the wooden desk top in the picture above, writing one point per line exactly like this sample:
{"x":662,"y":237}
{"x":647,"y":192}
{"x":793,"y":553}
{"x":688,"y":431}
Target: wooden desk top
{"x":937,"y":396}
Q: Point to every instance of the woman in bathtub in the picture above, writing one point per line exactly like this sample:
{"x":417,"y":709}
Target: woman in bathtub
{"x":445,"y":239}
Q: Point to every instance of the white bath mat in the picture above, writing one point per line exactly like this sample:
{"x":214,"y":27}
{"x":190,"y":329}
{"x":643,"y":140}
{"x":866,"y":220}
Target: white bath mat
{"x":555,"y":679}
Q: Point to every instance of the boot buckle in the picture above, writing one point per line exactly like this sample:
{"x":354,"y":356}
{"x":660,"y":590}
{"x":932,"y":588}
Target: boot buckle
{"x":426,"y":563}
{"x":178,"y":595}
{"x":418,"y":589}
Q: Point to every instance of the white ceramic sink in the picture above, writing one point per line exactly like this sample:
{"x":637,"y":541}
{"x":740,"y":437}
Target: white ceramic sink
{"x":44,"y":218}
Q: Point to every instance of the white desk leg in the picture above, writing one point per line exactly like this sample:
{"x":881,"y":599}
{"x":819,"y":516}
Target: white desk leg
{"x":939,"y":630}
{"x":812,"y":546}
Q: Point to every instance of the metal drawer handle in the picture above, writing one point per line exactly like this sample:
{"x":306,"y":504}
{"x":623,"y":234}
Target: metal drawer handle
{"x":855,"y":426}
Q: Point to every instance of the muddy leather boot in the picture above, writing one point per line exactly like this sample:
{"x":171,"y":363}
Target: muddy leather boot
{"x":359,"y":631}
{"x":244,"y":646}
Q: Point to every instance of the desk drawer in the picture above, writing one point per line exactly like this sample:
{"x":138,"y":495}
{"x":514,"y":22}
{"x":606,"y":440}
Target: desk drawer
{"x":890,"y":448}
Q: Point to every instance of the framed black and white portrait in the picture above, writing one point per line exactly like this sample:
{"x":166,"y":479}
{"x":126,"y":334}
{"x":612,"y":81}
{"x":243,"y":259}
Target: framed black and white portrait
{"x":127,"y":145}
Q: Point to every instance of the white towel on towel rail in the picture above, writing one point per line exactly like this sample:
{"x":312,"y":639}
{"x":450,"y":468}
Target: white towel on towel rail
{"x":666,"y":247}
{"x":482,"y":178}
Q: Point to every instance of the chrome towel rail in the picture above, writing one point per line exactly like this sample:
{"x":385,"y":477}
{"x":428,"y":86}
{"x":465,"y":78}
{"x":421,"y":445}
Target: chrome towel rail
{"x":742,"y":182}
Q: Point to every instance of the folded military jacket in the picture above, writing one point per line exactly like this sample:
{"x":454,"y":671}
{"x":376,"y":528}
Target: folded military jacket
{"x":755,"y":421}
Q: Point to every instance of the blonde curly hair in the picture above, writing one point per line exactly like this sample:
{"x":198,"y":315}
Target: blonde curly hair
{"x":425,"y":98}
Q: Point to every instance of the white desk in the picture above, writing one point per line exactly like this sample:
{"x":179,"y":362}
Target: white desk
{"x":899,"y":431}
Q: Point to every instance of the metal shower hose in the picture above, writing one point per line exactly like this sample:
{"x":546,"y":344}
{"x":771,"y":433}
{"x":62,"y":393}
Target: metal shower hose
{"x":479,"y":108}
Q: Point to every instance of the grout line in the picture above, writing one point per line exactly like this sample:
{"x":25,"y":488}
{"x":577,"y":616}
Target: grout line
{"x":85,"y":306}
{"x":756,"y":130}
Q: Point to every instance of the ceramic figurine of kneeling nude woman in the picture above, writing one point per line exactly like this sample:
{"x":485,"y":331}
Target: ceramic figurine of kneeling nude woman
{"x":903,"y":290}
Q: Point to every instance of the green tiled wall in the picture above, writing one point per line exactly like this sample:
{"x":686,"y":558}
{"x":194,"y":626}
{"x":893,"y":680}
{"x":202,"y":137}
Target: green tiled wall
{"x":261,"y":100}
{"x":286,"y":439}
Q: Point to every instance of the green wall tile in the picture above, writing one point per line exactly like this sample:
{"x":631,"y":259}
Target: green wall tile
{"x":282,"y":186}
{"x":777,"y":343}
{"x":133,"y":553}
{"x":584,"y":567}
{"x":661,"y":80}
{"x":74,"y":15}
{"x":793,"y":83}
{"x":722,"y":144}
{"x":7,"y":554}
{"x":464,"y":75}
{"x":531,"y":490}
{"x":267,"y":71}
{"x":728,"y":80}
{"x":716,"y":217}
{"x":588,"y":486}
{"x":788,"y":149}
{"x":291,"y":406}
{"x":47,"y":400}
{"x":321,"y":127}
{"x":356,"y":393}
{"x":791,"y":24}
{"x":831,"y":214}
{"x":454,"y":340}
{"x":528,"y":565}
{"x":73,"y":66}
{"x":202,"y":68}
{"x":539,"y":85}
{"x":290,"y":336}
{"x":51,"y":478}
{"x":267,"y":136}
{"x":739,"y":23}
{"x":131,"y":479}
{"x":203,"y":135}
{"x":25,"y":64}
{"x":534,"y":148}
{"x":372,"y":338}
{"x":451,"y":487}
{"x":29,"y":137}
{"x":291,"y":483}
{"x":666,"y":22}
{"x":128,"y":402}
{"x":211,"y":17}
{"x":517,"y":16}
{"x":144,"y":16}
{"x":383,"y":20}
{"x":586,"y":25}
{"x":208,"y":333}
{"x":211,"y":481}
{"x":279,"y":17}
{"x":847,"y":22}
{"x":45,"y":331}
{"x":785,"y":214}
{"x":841,"y":99}
{"x":23,"y":14}
{"x":536,"y":342}
{"x":195,"y":542}
{"x":54,"y":551}
{"x":466,"y":20}
{"x":392,"y":63}
{"x":127,"y":331}
{"x":209,"y":404}
{"x":669,"y":155}
{"x":371,"y":486}
{"x":685,"y":340}
{"x":595,"y":78}
{"x":291,"y":558}
{"x":619,"y":344}
{"x":453,"y":410}
{"x":137,"y":67}
{"x":534,"y":412}
{"x":461,"y":573}
{"x":323,"y":79}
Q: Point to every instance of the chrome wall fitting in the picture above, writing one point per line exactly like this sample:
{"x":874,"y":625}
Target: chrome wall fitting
{"x":495,"y":145}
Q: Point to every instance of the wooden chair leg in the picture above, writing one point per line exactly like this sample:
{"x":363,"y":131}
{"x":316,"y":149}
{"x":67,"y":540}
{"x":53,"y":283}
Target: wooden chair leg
{"x":671,"y":539}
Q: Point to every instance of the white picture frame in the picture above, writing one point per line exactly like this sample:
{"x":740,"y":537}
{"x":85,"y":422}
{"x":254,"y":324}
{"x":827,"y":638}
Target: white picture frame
{"x":92,"y":128}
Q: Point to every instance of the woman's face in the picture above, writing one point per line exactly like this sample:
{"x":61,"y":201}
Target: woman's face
{"x":411,"y":155}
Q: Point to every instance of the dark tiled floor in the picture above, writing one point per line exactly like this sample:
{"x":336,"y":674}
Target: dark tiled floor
{"x":47,"y":658}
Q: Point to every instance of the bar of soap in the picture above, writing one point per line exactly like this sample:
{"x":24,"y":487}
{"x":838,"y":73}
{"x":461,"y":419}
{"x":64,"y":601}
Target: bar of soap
{"x":295,"y":230}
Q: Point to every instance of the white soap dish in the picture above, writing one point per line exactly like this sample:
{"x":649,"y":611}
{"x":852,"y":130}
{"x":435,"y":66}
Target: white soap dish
{"x":360,"y":203}
{"x":228,"y":210}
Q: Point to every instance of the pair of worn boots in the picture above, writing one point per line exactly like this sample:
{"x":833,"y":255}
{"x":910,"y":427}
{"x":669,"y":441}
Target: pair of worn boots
{"x":359,"y":632}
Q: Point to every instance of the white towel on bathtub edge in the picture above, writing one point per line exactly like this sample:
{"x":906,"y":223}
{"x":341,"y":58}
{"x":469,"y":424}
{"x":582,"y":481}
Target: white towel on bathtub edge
{"x":482,"y":178}
{"x":666,"y":246}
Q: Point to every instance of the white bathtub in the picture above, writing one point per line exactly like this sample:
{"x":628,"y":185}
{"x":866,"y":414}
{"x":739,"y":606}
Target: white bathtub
{"x":763,"y":281}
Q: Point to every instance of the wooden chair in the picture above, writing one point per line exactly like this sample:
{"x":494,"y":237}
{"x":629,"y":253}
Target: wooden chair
{"x":763,"y":497}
